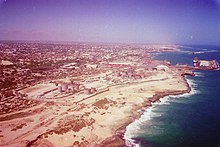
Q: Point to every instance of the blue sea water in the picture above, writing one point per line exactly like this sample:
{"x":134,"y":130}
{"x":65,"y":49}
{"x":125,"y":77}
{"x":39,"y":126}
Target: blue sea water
{"x":189,"y":120}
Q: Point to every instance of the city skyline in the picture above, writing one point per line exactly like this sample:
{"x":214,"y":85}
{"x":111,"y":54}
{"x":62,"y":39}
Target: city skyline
{"x":160,"y":21}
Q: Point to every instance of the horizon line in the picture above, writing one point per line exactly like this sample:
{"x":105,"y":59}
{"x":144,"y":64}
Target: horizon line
{"x":104,"y":42}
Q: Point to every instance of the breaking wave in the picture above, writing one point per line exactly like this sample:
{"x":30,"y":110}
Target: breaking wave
{"x":199,"y":74}
{"x":133,"y":129}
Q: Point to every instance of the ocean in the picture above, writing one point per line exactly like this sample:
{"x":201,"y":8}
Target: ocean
{"x":188,"y":120}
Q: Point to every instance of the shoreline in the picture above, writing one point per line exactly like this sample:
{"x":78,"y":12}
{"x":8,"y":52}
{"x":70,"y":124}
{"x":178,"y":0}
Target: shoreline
{"x":101,"y":102}
{"x":106,"y":115}
{"x":118,"y":137}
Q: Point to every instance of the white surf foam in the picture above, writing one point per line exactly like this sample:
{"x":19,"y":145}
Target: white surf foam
{"x":199,"y":74}
{"x":134,"y":128}
{"x":163,"y":101}
{"x":193,"y":87}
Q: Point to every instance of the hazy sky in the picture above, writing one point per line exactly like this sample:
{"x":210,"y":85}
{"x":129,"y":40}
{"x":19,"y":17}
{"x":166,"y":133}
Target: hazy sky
{"x":145,"y":21}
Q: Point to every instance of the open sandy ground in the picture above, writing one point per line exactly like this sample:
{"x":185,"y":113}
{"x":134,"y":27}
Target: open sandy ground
{"x":98,"y":120}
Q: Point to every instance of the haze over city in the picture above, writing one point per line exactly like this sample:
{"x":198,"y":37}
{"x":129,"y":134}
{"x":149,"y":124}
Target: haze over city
{"x":151,"y":21}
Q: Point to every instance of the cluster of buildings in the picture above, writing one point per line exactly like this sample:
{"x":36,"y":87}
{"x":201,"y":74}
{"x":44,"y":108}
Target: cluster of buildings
{"x":66,"y":87}
{"x":70,"y":87}
{"x":24,"y":64}
{"x":130,"y":73}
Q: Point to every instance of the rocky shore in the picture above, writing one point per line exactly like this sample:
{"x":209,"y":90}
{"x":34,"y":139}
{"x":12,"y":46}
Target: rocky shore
{"x":117,"y":139}
{"x":100,"y":120}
